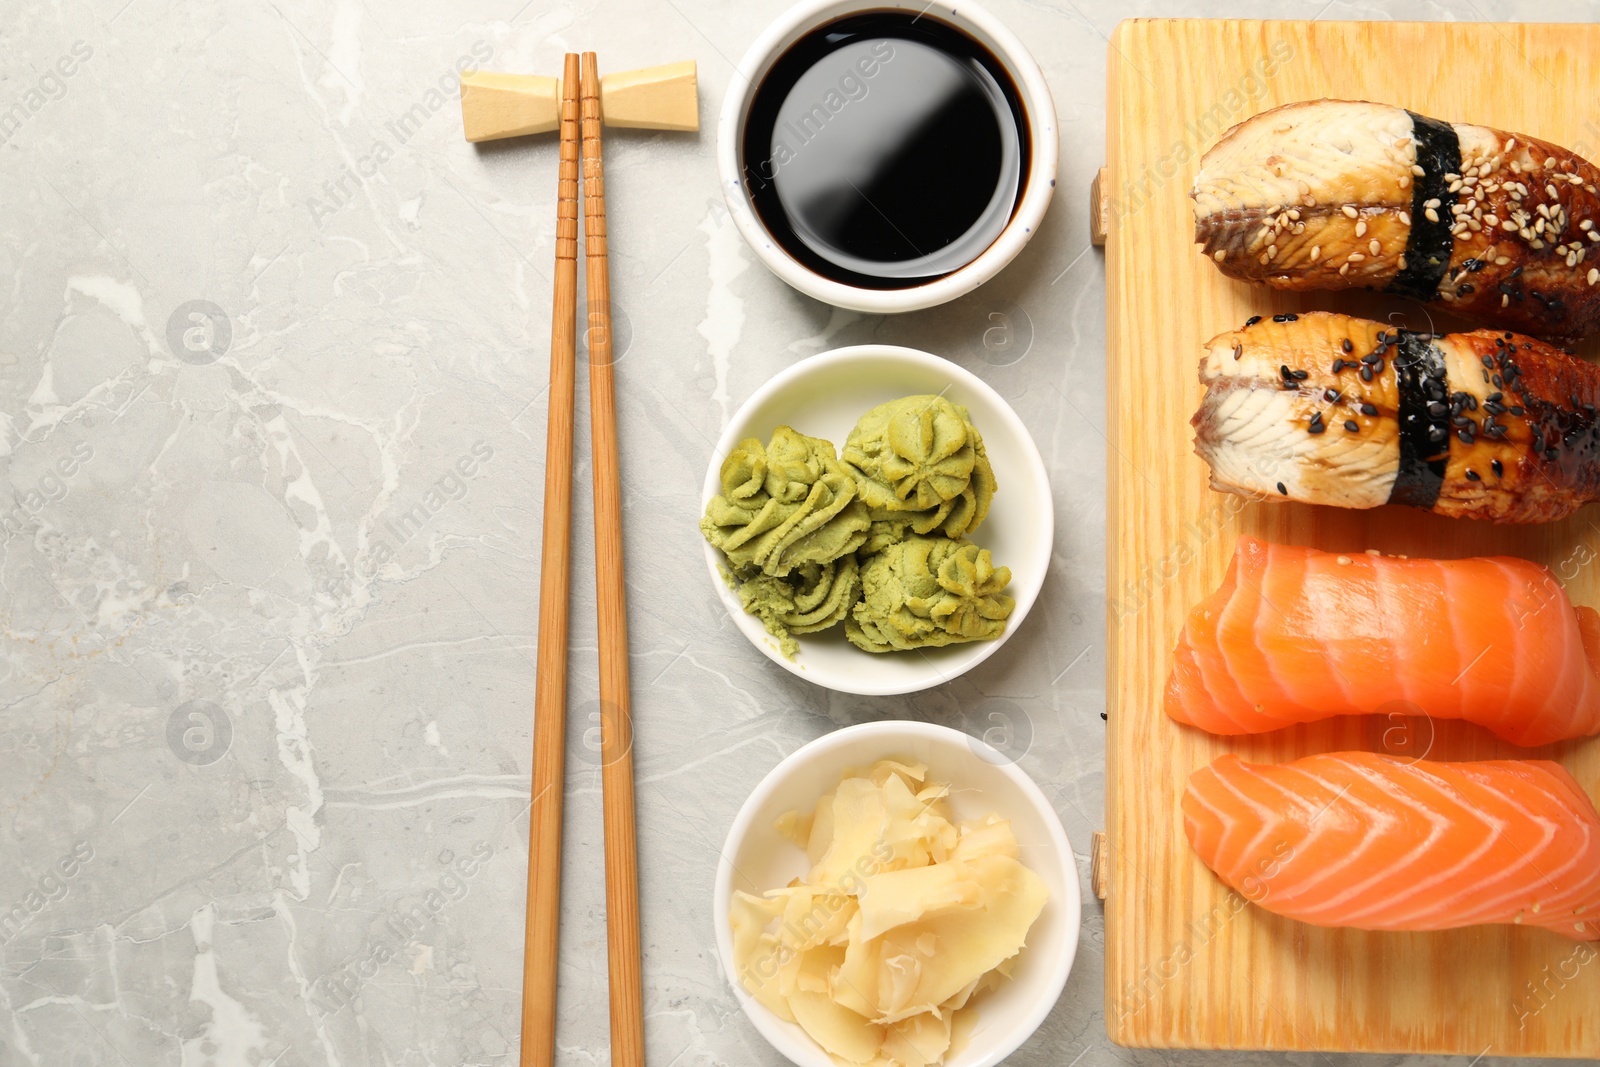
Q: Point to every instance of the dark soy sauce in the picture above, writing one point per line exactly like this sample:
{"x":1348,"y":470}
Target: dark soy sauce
{"x":884,"y":150}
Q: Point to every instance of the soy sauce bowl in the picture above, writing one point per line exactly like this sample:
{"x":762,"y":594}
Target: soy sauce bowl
{"x":1037,"y":184}
{"x":756,"y":858}
{"x":823,"y":396}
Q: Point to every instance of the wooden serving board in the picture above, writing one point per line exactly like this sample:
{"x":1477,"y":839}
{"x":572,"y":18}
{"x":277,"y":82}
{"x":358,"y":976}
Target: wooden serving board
{"x":1189,"y":963}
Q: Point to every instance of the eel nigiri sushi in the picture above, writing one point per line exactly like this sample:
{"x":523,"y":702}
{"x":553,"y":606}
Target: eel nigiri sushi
{"x":1336,"y":194}
{"x":1296,"y":635}
{"x":1362,"y":840}
{"x":1329,"y":409}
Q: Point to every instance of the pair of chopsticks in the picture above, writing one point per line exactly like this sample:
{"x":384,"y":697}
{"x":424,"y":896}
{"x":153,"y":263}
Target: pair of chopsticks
{"x":580,"y":114}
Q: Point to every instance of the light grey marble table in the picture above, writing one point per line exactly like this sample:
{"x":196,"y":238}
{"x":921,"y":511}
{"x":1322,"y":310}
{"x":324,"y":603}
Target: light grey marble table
{"x":273,"y":350}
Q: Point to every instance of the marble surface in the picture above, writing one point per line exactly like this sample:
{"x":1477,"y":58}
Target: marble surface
{"x":272,"y":377}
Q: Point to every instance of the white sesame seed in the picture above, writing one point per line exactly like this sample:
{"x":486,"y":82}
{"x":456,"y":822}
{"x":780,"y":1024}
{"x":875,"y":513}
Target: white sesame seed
{"x":1402,"y":261}
{"x":1294,"y":213}
{"x":1594,"y":235}
{"x":1316,"y":253}
{"x":1594,"y":275}
{"x":1405,"y":217}
{"x":1350,"y":212}
{"x":1431,"y":215}
{"x":1510,"y":143}
{"x":1492,"y":219}
{"x":1418,"y":171}
{"x":1586,"y":224}
{"x":1361,"y":228}
{"x":1300,"y":184}
{"x":1356,"y":257}
{"x":1220,"y":254}
{"x":1262,"y":259}
{"x":1550,"y":189}
{"x":1474,"y":225}
{"x":1405,"y":181}
{"x":1509,"y":226}
{"x":1344,"y":268}
{"x":1299,"y":227}
{"x":1373,"y":246}
{"x":1345,"y":561}
{"x":1501,"y":261}
{"x":1505,"y":300}
{"x":1434,"y":202}
{"x":1455,"y":186}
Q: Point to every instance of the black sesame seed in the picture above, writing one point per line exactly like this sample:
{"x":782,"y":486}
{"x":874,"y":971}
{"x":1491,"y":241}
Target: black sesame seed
{"x":1465,"y":433}
{"x":1497,"y":467}
{"x":1238,"y":351}
{"x":1495,"y":396}
{"x":1285,"y":318}
{"x":1282,"y":490}
{"x":1487,"y":362}
{"x":1494,"y":409}
{"x":1377,"y":368}
{"x":1346,"y":345}
{"x":1300,"y":375}
{"x":1366,"y":372}
{"x":1550,"y":453}
{"x":1315,"y":425}
{"x":1369,"y":409}
{"x":1284,"y":372}
{"x":1338,"y":365}
{"x":1351,"y":425}
{"x":1497,"y":380}
{"x":1472,"y":475}
{"x":1253,"y":319}
{"x":1331,"y":395}
{"x":1373,"y":356}
{"x":1434,"y":388}
{"x":1438,"y":433}
{"x":1436,"y":410}
{"x":1516,"y":409}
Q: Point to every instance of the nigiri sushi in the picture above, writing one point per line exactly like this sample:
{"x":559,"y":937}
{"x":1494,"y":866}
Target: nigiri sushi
{"x":1329,"y":409}
{"x":1337,"y":194}
{"x":1296,"y":635}
{"x":1357,"y":839}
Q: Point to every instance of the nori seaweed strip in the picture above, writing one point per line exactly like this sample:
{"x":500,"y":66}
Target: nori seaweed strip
{"x":1424,"y":441}
{"x":1429,"y":244}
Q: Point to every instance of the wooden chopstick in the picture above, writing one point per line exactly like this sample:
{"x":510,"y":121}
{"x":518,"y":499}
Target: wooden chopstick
{"x":539,"y":961}
{"x":616,"y":723}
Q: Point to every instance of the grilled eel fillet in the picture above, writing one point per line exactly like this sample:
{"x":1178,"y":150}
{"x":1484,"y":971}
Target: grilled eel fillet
{"x":1329,"y":409}
{"x":1501,"y":228}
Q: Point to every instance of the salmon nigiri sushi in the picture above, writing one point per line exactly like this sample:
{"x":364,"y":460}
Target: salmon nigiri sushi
{"x":1357,"y":839}
{"x":1295,"y":635}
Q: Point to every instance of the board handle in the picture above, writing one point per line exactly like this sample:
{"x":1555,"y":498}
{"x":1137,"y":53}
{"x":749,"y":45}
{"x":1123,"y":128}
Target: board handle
{"x":1099,"y":210}
{"x":1098,"y":873}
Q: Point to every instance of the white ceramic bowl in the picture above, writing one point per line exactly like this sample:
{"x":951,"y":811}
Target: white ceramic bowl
{"x":823,"y":396}
{"x":1038,"y":185}
{"x":756,"y":858}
